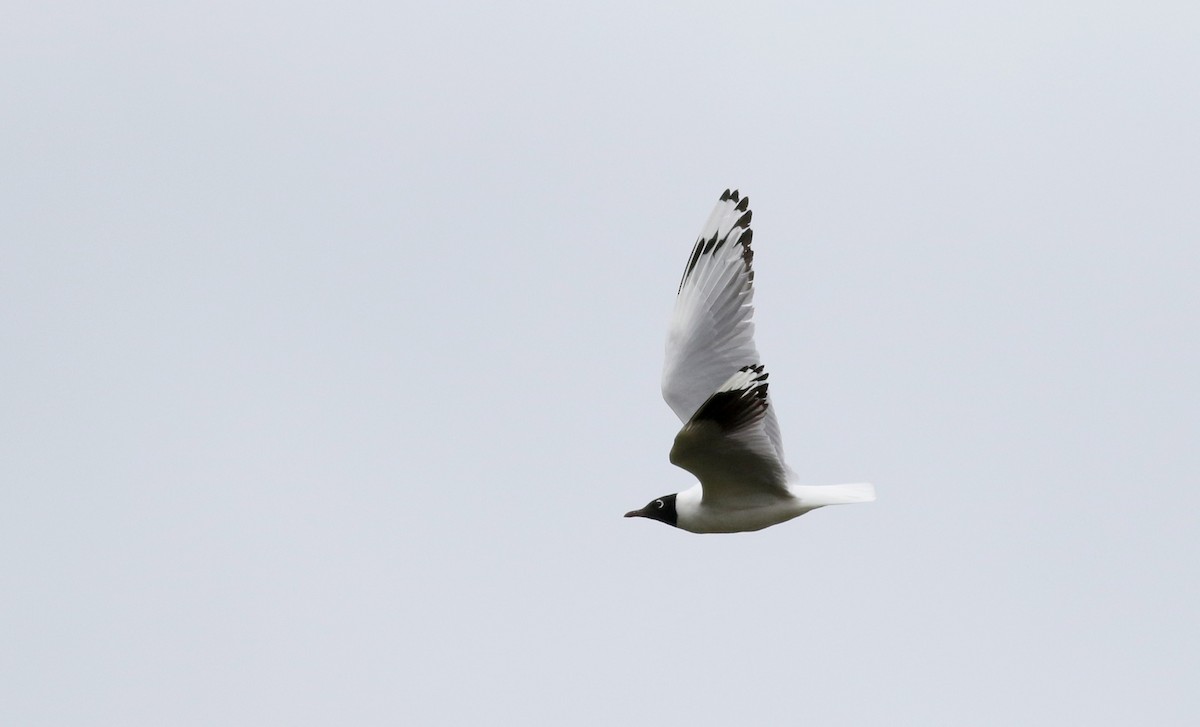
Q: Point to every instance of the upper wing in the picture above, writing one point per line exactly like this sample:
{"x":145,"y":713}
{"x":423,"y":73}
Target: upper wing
{"x":726,"y":445}
{"x":711,"y":335}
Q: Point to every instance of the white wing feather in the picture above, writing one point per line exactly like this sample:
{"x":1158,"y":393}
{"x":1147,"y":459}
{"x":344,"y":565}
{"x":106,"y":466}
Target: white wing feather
{"x":711,"y":334}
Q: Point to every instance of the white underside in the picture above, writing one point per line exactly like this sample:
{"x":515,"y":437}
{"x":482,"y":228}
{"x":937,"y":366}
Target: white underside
{"x":745,"y":514}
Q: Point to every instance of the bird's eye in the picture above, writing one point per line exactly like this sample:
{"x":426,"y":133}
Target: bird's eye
{"x":659,"y":503}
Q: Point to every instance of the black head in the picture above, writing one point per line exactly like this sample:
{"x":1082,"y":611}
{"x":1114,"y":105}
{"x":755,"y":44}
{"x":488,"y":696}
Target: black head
{"x":662,"y":510}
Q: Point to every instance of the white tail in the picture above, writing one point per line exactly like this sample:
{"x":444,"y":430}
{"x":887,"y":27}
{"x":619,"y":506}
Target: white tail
{"x":819,"y":496}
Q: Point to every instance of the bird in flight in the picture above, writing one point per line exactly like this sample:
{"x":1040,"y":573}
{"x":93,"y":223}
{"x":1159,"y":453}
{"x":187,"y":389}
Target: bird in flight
{"x":715,"y":383}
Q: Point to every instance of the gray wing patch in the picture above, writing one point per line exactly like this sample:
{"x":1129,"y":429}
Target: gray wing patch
{"x":725,"y":443}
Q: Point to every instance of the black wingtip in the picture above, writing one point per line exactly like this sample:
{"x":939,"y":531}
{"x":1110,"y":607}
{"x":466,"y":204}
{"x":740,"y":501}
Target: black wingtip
{"x":736,"y":408}
{"x":758,"y":369}
{"x":747,"y":251}
{"x":705,"y":246}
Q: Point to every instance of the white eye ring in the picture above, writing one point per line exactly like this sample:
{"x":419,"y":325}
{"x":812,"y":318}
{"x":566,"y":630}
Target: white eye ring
{"x":659,"y":503}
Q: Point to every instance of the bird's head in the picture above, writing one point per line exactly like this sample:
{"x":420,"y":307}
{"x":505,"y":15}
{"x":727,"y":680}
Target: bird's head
{"x":661,"y":509}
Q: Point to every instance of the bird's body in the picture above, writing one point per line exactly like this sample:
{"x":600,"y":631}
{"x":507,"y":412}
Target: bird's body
{"x":749,"y":514}
{"x":713,"y":380}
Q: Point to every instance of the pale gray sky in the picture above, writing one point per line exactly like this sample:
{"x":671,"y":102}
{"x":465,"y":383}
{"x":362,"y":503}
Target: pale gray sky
{"x":332,"y":337}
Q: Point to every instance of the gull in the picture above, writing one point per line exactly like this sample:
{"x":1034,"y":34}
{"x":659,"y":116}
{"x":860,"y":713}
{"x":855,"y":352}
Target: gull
{"x":716,"y":384}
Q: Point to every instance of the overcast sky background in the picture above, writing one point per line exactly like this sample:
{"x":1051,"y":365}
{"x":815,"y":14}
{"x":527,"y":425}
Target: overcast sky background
{"x":332,"y":337}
